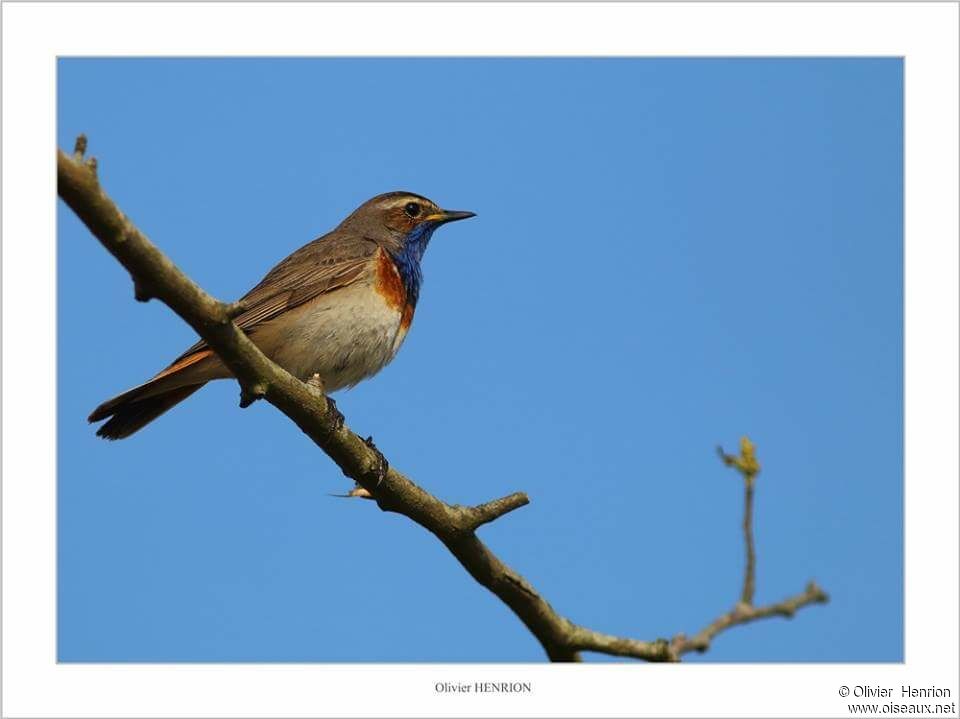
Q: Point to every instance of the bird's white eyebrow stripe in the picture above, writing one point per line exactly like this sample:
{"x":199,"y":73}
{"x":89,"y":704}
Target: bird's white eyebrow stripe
{"x":401,"y":201}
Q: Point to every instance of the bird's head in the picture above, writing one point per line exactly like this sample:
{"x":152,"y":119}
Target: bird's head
{"x":403,"y":221}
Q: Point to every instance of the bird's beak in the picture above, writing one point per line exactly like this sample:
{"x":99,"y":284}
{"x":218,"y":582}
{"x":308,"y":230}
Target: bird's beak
{"x":450,"y":216}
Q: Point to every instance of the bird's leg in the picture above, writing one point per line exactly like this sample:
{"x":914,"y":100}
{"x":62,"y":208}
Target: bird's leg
{"x":315,"y":382}
{"x":382,"y":465}
{"x":333,"y":413}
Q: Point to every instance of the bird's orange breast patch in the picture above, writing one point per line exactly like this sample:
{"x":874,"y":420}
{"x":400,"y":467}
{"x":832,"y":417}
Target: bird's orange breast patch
{"x":390,"y":286}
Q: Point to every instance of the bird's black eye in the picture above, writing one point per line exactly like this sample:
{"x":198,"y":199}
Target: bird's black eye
{"x":412,"y":209}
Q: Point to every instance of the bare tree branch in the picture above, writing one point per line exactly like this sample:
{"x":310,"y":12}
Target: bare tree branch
{"x":154,"y":275}
{"x":748,"y":466}
{"x":743,"y":613}
{"x":750,"y":570}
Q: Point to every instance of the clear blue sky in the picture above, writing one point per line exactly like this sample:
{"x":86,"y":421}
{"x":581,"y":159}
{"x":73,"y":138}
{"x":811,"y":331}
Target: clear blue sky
{"x":668,"y":254}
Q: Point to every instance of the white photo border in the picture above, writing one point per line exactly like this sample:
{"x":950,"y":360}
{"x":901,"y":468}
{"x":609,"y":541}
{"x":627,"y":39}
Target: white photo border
{"x":35,"y":34}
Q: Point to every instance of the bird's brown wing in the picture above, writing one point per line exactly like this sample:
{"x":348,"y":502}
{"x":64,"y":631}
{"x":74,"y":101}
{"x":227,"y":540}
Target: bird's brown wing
{"x":324,"y":265}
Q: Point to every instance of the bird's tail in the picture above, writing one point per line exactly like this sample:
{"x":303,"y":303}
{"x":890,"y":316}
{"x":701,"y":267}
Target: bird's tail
{"x":137,"y":407}
{"x":131,"y":415}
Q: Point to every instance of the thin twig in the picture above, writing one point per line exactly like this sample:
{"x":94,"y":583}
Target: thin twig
{"x":748,"y":466}
{"x":749,"y":573}
{"x":485,"y":513}
{"x":743,"y":613}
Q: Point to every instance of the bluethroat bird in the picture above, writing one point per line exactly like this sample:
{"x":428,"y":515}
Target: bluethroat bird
{"x":339,"y":307}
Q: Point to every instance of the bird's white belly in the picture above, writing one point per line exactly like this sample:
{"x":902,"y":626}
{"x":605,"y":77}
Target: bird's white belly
{"x":344,"y":337}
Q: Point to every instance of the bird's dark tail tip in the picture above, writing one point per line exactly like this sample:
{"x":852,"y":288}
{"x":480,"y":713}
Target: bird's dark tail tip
{"x":130,"y":415}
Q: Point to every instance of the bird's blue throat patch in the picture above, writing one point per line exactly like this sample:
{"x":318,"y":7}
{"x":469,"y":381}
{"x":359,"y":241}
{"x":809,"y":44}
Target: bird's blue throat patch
{"x":409,"y":257}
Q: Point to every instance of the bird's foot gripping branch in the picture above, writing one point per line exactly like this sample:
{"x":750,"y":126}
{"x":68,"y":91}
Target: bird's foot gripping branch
{"x":155,"y":276}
